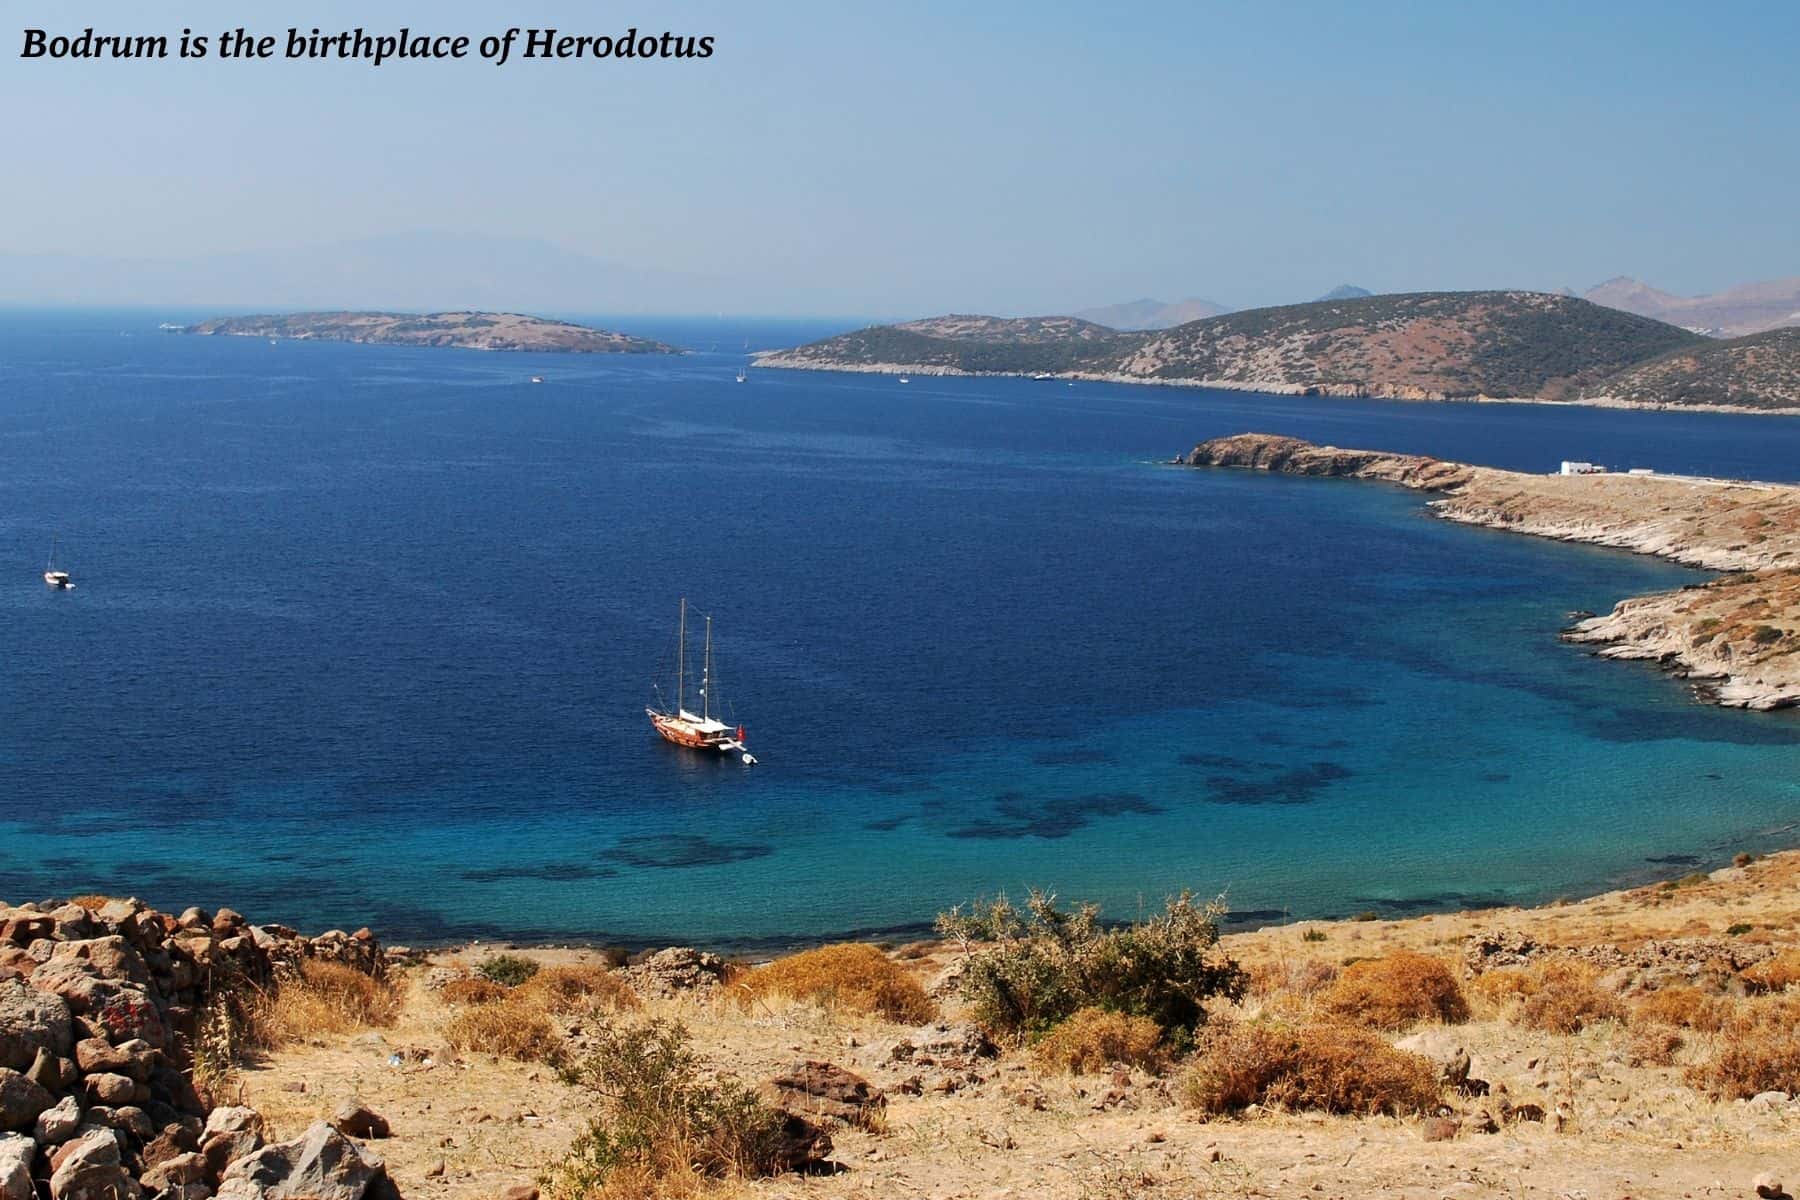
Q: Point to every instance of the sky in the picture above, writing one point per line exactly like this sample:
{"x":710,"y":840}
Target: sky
{"x":1008,"y":157}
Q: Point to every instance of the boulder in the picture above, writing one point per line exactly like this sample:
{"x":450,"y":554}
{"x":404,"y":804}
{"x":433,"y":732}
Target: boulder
{"x":21,"y":1101}
{"x":30,"y":1021}
{"x":822,"y":1091}
{"x":233,"y":1118}
{"x":22,"y":929}
{"x":321,"y":1164}
{"x":176,"y":1170}
{"x":58,"y":1123}
{"x":359,"y":1121}
{"x":16,"y":1154}
{"x":109,"y":1089}
{"x":173,"y":1141}
{"x":221,"y":1150}
{"x":91,"y":1168}
{"x":799,"y":1144}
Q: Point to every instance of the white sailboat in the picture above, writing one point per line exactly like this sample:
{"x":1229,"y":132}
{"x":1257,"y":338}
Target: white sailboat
{"x":702,"y":730}
{"x":53,"y":577}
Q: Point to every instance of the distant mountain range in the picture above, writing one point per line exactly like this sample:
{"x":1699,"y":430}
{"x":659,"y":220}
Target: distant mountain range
{"x":1151,"y":314}
{"x":1734,"y":312}
{"x":1418,"y":346}
{"x":1346,"y":291}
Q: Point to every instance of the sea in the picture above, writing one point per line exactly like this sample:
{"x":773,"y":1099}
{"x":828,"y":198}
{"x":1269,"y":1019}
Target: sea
{"x":365,"y":636}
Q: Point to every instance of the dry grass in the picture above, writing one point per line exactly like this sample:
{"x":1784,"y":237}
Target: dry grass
{"x":852,"y":975}
{"x":1094,"y":1039}
{"x":578,"y":988}
{"x":93,"y":901}
{"x":1397,"y":990}
{"x":1683,"y":1007}
{"x":473,"y":990}
{"x":516,"y":1028}
{"x":328,"y":998}
{"x":1565,"y":997}
{"x":1329,"y":1068}
{"x":1776,"y":974}
{"x":1654,"y":1046}
{"x":1291,"y":977}
{"x":1758,"y":1051}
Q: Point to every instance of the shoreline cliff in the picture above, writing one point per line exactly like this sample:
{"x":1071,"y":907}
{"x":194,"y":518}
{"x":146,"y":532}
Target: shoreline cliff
{"x":1736,"y":638}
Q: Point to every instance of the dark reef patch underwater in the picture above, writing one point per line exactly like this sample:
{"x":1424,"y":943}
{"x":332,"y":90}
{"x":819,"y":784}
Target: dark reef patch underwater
{"x":979,"y":638}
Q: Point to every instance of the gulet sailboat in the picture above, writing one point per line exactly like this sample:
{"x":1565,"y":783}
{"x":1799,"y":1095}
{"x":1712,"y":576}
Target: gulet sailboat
{"x":702,"y":731}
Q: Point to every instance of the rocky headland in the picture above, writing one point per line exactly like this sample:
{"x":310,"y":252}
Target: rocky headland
{"x":1735,"y":637}
{"x":462,"y":330}
{"x":1426,"y":346}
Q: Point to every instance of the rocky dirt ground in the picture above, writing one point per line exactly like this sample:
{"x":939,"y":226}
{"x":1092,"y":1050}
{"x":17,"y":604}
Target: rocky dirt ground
{"x":961,"y":1125}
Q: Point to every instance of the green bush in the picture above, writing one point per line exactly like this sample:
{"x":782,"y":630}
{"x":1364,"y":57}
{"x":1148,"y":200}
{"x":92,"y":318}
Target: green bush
{"x":509,"y":970}
{"x":661,"y":1119}
{"x":1027,"y":970}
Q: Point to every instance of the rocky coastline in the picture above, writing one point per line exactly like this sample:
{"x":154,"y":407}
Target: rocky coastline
{"x":1736,"y":638}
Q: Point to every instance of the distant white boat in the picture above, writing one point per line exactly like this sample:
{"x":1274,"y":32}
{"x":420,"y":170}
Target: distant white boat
{"x":1043,"y":375}
{"x":741,"y":376}
{"x":53,"y":577}
{"x":904,"y":379}
{"x":537,"y":379}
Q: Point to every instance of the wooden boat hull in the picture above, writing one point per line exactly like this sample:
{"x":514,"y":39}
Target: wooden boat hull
{"x":678,"y":733}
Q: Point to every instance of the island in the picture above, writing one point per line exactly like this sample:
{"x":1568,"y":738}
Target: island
{"x":1735,"y":637}
{"x":463,"y":330}
{"x":1479,"y":346}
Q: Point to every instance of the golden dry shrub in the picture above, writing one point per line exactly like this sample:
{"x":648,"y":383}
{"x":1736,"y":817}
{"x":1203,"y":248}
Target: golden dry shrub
{"x":473,"y":990}
{"x":1566,"y":997}
{"x":852,"y":975}
{"x":1684,"y":1007}
{"x":1757,"y":1051}
{"x":1293,"y":977}
{"x":578,"y":987}
{"x":1492,"y":993}
{"x":93,"y":901}
{"x":1776,"y":974}
{"x":1654,"y":1045}
{"x":516,"y":1028}
{"x":1395,"y":991}
{"x":1327,"y":1068}
{"x":327,"y":998}
{"x":1094,"y":1039}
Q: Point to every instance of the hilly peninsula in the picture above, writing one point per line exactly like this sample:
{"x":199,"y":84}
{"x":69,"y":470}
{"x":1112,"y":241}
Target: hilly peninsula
{"x":463,"y":330}
{"x":1498,"y":345}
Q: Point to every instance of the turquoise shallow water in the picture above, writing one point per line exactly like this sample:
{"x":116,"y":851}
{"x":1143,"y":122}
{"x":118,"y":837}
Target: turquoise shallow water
{"x":364,"y":635}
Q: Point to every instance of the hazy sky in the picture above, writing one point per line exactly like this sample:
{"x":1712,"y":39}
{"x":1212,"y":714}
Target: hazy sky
{"x":927,"y":156}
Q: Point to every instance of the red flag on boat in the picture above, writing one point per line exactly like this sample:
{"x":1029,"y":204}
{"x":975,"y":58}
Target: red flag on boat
{"x":740,"y":733}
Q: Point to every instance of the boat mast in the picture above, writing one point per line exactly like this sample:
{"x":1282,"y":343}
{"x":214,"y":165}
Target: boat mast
{"x":706,"y":676}
{"x":680,"y":657}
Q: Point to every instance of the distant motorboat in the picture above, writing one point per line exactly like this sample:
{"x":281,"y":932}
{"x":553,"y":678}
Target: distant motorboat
{"x":741,"y":376}
{"x":1042,"y":375}
{"x":53,"y":577}
{"x":537,"y":379}
{"x":904,"y":379}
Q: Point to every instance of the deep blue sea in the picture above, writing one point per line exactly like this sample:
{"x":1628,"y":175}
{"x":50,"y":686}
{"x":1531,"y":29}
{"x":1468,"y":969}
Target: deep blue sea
{"x":365,"y":635}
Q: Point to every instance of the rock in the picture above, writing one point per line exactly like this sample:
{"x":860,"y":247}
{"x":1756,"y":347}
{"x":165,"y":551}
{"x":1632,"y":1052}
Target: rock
{"x":1482,"y":1121}
{"x":46,"y":1071}
{"x":91,"y":1168}
{"x":1456,"y":1071}
{"x":133,"y":1059}
{"x":232,"y":1118}
{"x":520,"y":1191}
{"x":109,"y":1089}
{"x":174,"y":1171}
{"x":173,"y":1141}
{"x":799,"y":1143}
{"x":16,"y":1154}
{"x":21,"y":1101}
{"x":30,"y":1021}
{"x":58,"y":1123}
{"x":221,"y":1150}
{"x":1764,"y":1101}
{"x":321,"y":1164}
{"x":436,"y":1169}
{"x":1438,"y":1129}
{"x":676,"y":970}
{"x":824,"y":1091}
{"x":359,"y":1121}
{"x":1768,"y":1186}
